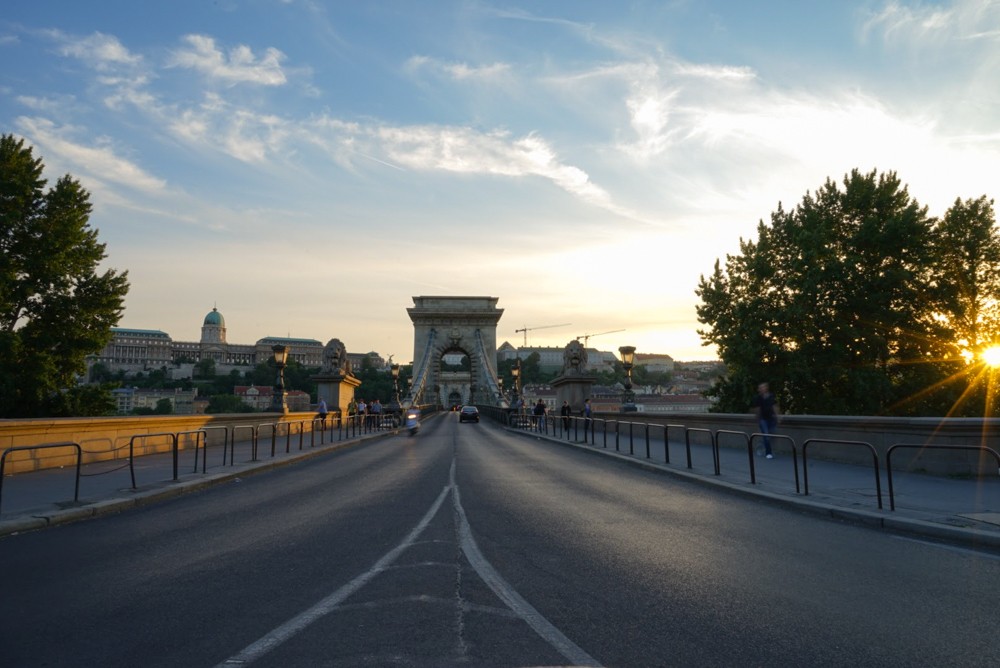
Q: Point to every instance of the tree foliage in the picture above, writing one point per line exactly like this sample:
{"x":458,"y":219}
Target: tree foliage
{"x":227,"y":403}
{"x":55,"y":306}
{"x":854,"y":302}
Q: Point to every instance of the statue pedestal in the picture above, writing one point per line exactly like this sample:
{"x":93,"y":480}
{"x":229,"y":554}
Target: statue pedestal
{"x":337,"y":390}
{"x":574,"y":389}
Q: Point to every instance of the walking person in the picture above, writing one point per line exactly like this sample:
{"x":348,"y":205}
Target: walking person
{"x":765,"y":406}
{"x":362,"y":414}
{"x":587,"y":413}
{"x":322,"y":411}
{"x":565,"y":411}
{"x":539,"y":413}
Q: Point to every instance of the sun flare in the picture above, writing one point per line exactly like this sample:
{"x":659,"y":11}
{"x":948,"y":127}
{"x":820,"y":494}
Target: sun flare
{"x":991,"y":356}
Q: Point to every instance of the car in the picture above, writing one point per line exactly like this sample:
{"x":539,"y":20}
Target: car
{"x":468,"y":414}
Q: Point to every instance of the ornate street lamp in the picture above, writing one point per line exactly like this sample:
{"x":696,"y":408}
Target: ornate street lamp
{"x":394,"y":408}
{"x":278,"y":402}
{"x":515,"y":372}
{"x":395,"y":381}
{"x":500,"y":387}
{"x":628,"y":397}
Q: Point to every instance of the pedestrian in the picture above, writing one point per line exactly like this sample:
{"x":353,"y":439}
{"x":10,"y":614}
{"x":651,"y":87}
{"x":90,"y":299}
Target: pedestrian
{"x":565,"y":411}
{"x":765,"y":406}
{"x":321,"y":409}
{"x":362,"y":414}
{"x":376,"y":409}
{"x":587,"y":412}
{"x":539,"y":413}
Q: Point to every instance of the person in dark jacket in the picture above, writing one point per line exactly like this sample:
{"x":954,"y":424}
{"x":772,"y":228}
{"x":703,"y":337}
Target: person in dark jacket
{"x":565,"y":411}
{"x":765,"y":406}
{"x":539,"y":414}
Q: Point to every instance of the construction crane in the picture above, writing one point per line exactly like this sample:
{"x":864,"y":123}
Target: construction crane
{"x":586,"y":337}
{"x":529,"y":329}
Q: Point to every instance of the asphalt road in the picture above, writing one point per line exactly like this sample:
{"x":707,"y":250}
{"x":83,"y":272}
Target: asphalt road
{"x":470,"y":546}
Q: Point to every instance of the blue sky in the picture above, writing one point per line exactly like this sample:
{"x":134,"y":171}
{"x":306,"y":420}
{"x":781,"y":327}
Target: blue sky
{"x":309,"y":166}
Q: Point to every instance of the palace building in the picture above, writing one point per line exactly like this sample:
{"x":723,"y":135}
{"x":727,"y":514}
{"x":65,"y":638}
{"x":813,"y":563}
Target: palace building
{"x":143,"y":350}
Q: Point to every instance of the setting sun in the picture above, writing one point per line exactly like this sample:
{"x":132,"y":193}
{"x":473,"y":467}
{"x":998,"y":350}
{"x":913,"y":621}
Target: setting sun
{"x":991,"y":356}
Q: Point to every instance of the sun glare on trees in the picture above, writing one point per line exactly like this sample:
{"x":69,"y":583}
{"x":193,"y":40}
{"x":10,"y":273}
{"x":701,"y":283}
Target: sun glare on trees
{"x":991,"y":356}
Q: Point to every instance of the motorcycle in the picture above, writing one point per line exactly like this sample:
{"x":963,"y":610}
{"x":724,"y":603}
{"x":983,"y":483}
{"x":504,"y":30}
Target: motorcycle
{"x":412,"y":422}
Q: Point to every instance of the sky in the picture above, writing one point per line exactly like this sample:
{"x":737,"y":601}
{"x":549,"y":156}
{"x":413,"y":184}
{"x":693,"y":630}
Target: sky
{"x":308,"y":167}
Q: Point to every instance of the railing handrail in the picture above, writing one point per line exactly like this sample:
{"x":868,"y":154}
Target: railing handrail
{"x":964,"y":448}
{"x":42,"y":446}
{"x":833,"y":441}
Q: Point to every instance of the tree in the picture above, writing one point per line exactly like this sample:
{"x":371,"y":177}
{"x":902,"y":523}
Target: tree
{"x":966,"y":278}
{"x":227,"y":403}
{"x":204,"y":368}
{"x":832,"y":304}
{"x":55,"y":308}
{"x":967,"y":273}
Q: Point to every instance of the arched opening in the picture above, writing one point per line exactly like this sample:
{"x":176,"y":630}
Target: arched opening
{"x":455,"y":378}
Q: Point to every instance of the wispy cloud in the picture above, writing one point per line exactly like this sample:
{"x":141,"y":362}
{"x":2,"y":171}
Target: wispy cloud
{"x":457,"y":71}
{"x":101,"y":162}
{"x":99,"y":51}
{"x":931,"y":25}
{"x":240,"y":65}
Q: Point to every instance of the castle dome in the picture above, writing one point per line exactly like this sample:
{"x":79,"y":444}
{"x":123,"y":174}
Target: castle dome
{"x":215,"y":319}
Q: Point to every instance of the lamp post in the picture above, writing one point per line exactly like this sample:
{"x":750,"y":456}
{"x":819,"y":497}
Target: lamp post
{"x":395,"y":382}
{"x":515,"y":373}
{"x":394,"y":408}
{"x":628,"y":397}
{"x":500,"y":387}
{"x":278,"y":403}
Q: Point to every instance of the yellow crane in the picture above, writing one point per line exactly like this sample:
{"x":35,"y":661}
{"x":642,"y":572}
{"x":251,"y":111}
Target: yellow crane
{"x":529,"y":329}
{"x":586,"y":337}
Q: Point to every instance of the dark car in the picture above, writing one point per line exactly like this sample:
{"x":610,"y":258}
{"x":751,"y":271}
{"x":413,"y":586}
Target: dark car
{"x":468,"y":414}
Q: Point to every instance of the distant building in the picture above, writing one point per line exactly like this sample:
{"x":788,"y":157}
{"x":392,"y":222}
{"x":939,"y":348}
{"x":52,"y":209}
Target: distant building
{"x":654,"y":362}
{"x":551,"y":358}
{"x":127,"y":399}
{"x":259,"y":397}
{"x":143,"y":350}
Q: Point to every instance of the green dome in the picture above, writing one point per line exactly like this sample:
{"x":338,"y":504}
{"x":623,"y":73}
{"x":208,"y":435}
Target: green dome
{"x":215,"y":318}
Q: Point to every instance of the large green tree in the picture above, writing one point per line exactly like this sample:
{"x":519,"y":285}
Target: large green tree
{"x":55,"y":306}
{"x":834,"y":304}
{"x":967,"y":273}
{"x":966,"y":278}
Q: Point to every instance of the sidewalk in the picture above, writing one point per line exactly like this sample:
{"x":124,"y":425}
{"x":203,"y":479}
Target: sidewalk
{"x":45,"y":498}
{"x":958,"y":510}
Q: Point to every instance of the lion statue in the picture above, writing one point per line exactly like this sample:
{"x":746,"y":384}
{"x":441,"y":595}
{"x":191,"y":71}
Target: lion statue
{"x":574,"y":358}
{"x":335,"y":358}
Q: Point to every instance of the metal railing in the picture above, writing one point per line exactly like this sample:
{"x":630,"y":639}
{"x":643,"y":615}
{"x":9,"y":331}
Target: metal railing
{"x":964,"y":448}
{"x":230,"y":437}
{"x":143,"y":437}
{"x":792,"y":446}
{"x":875,"y":466}
{"x":64,"y":444}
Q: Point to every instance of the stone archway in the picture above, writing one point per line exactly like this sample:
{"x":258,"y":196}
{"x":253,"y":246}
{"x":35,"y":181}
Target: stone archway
{"x":444,"y":325}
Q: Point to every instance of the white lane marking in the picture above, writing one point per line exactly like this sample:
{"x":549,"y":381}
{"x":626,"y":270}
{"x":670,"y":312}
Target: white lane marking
{"x":508,"y":595}
{"x":296,"y":624}
{"x":490,"y":576}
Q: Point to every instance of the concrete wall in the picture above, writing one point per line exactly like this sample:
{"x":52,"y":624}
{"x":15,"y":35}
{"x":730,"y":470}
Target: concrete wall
{"x":880,"y":432}
{"x":107,"y":438}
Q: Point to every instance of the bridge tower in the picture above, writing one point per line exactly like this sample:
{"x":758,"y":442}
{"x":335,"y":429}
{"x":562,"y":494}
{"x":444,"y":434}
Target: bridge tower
{"x":454,"y":325}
